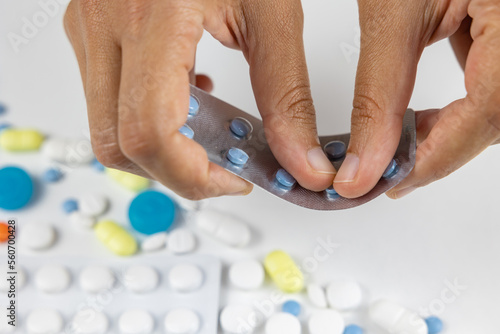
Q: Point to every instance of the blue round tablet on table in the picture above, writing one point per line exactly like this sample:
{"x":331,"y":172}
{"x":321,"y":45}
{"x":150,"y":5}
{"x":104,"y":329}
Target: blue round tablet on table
{"x":52,"y":175}
{"x":70,"y":205}
{"x":353,"y":329}
{"x":152,"y":212}
{"x":434,"y":325}
{"x":3,"y":108}
{"x":16,"y":188}
{"x":292,"y":307}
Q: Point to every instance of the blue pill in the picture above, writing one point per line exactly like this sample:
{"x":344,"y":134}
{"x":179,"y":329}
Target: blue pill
{"x":335,"y":150}
{"x":70,"y":205}
{"x":16,"y":188}
{"x":292,"y":307}
{"x":240,"y":127}
{"x":237,"y":156}
{"x":391,"y":170}
{"x":187,"y":131}
{"x":434,"y":325}
{"x":52,"y":175}
{"x":4,"y":126}
{"x":331,"y":192}
{"x":353,"y":329}
{"x":98,"y":166}
{"x":194,"y":106}
{"x":3,"y":108}
{"x":285,"y":179}
{"x":151,"y":212}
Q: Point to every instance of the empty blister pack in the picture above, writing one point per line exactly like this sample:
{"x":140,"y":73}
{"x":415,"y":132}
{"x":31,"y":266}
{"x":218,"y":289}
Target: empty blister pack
{"x":152,"y":294}
{"x":236,"y":141}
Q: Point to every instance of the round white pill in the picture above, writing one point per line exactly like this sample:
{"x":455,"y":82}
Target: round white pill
{"x":396,"y":319}
{"x":344,"y":295}
{"x":81,"y":220}
{"x":89,"y":321}
{"x":136,"y":322}
{"x":239,"y":319}
{"x":44,"y":321}
{"x":181,"y":241}
{"x":316,"y":295}
{"x":246,"y":275}
{"x":96,"y":278}
{"x":141,"y":278}
{"x":52,"y":278}
{"x":185,"y":277}
{"x":154,"y":242}
{"x":182,"y":321}
{"x":282,"y":322}
{"x":37,"y":236}
{"x":326,"y":322}
{"x":93,"y":204}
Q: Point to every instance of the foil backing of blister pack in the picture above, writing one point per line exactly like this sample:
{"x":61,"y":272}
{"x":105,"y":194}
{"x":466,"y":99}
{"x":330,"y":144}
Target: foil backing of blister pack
{"x":211,"y":130}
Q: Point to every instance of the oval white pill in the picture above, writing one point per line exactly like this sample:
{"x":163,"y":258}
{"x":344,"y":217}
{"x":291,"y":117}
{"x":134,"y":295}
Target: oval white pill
{"x":396,"y":319}
{"x":281,"y":322}
{"x":316,"y":295}
{"x":89,"y":321}
{"x":239,"y":319}
{"x":185,"y":277}
{"x":182,"y":321}
{"x":181,"y":241}
{"x":72,"y":152}
{"x":52,"y":278}
{"x":136,"y":322}
{"x":326,"y":322}
{"x":224,"y":227}
{"x":154,"y":242}
{"x":93,"y":204}
{"x":246,"y":275}
{"x":141,"y":278}
{"x":344,"y":295}
{"x":44,"y":321}
{"x":81,"y":220}
{"x":38,"y":236}
{"x":96,"y":278}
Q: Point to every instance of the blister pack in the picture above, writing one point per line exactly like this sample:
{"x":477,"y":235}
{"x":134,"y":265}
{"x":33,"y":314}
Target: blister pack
{"x":236,"y":141}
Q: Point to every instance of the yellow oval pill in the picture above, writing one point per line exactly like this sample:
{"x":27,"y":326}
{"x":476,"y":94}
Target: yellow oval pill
{"x":130,"y":181}
{"x":19,"y":140}
{"x":116,"y":238}
{"x":284,"y":272}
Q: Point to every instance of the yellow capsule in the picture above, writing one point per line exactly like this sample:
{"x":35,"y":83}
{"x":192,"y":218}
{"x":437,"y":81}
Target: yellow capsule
{"x":284,"y":272}
{"x":130,"y":181}
{"x":19,"y":140}
{"x":116,"y":238}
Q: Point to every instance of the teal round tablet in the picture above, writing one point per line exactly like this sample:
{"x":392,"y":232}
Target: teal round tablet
{"x":152,"y":212}
{"x":16,"y":188}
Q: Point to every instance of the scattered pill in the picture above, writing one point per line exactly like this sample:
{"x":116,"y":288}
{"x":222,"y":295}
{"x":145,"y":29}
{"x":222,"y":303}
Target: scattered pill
{"x":16,"y":188}
{"x":52,"y":278}
{"x":151,"y":212}
{"x":394,"y":318}
{"x":326,"y":322}
{"x":98,"y":166}
{"x":4,"y":126}
{"x":82,"y":221}
{"x":71,"y":152}
{"x":182,"y":321}
{"x":246,"y":275}
{"x":344,"y":295}
{"x":116,"y":238}
{"x":96,"y":278}
{"x":4,"y":232}
{"x":3,"y":108}
{"x":154,"y":242}
{"x":335,"y":150}
{"x":224,"y":227}
{"x":240,"y":127}
{"x":141,"y":278}
{"x":136,"y":322}
{"x":194,"y":106}
{"x":285,"y":179}
{"x":38,"y":236}
{"x":434,"y":325}
{"x":44,"y":321}
{"x":292,"y":307}
{"x":237,"y":156}
{"x":332,"y":193}
{"x":20,"y":140}
{"x":52,"y":175}
{"x":353,"y":329}
{"x":70,"y":205}
{"x":231,"y":316}
{"x":181,"y":241}
{"x":316,"y":295}
{"x":93,"y":205}
{"x":187,"y":131}
{"x":89,"y":321}
{"x":391,"y":170}
{"x":185,"y":277}
{"x":284,"y":272}
{"x":129,"y":181}
{"x":281,"y":322}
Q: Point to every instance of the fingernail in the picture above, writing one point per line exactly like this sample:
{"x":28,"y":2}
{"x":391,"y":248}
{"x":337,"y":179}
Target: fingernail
{"x":319,"y":162}
{"x":348,"y":170}
{"x":241,"y":188}
{"x":402,"y":193}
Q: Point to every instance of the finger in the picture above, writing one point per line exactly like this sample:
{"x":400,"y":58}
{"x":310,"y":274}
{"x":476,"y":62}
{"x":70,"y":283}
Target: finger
{"x":204,"y":82}
{"x":154,"y":95}
{"x":461,"y":41}
{"x":280,"y":82}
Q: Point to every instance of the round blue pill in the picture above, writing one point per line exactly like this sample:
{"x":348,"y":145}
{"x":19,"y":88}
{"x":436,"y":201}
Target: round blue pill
{"x":3,"y":108}
{"x":331,"y":192}
{"x":391,"y":170}
{"x":187,"y":131}
{"x":70,"y":205}
{"x":285,"y":179}
{"x":237,"y":156}
{"x":194,"y":106}
{"x":292,"y":307}
{"x":16,"y":188}
{"x":335,"y":150}
{"x":151,"y":212}
{"x":4,"y":126}
{"x":240,"y":127}
{"x":353,"y":329}
{"x":98,"y":166}
{"x":434,"y":325}
{"x":52,"y":175}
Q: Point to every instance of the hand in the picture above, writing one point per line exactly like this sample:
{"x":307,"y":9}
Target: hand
{"x":393,"y":36}
{"x":136,"y":59}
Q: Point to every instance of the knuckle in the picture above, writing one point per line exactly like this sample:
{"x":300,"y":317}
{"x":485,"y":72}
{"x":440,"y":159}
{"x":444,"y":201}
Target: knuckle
{"x":366,"y":108}
{"x":137,"y":142}
{"x":297,"y":105}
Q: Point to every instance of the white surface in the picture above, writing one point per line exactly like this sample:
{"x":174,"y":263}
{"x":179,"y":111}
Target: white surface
{"x":136,"y":322}
{"x":181,"y":241}
{"x":246,"y":274}
{"x":96,"y":278}
{"x":141,"y":278}
{"x":406,"y":250}
{"x":44,"y":321}
{"x":52,"y":278}
{"x":344,"y":295}
{"x":326,"y":322}
{"x":182,"y":321}
{"x":185,"y":277}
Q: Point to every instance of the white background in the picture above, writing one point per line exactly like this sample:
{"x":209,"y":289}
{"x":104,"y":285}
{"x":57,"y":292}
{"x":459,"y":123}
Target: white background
{"x":404,"y":250}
